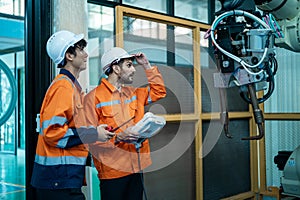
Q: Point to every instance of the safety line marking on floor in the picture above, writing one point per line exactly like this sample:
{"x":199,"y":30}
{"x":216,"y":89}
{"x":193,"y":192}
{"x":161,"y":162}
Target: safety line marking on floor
{"x":7,"y":188}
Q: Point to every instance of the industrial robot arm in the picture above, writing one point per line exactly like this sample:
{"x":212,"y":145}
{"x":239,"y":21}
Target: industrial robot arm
{"x":244,"y":35}
{"x":282,"y":16}
{"x":287,"y":16}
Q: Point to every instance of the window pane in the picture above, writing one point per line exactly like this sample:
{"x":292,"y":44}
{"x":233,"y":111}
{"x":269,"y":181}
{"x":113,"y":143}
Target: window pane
{"x":101,"y":38}
{"x":226,"y":162}
{"x":8,"y":128}
{"x":172,"y":150}
{"x":286,"y":83}
{"x":12,"y":56}
{"x":153,"y":5}
{"x":12,"y":7}
{"x":194,"y":9}
{"x":170,"y":48}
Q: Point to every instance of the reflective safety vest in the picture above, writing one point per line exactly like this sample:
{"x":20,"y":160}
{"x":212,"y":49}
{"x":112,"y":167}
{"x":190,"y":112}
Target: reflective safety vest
{"x":107,"y":105}
{"x":60,"y":154}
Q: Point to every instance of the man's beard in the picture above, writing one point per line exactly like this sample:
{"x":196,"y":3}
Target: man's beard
{"x":127,"y":80}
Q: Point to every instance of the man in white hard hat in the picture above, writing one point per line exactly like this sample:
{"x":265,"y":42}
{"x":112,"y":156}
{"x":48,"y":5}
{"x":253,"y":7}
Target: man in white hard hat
{"x":120,"y":106}
{"x":60,"y":160}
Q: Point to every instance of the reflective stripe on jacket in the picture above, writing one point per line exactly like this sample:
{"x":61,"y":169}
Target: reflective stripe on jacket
{"x":106,"y":105}
{"x":60,"y":154}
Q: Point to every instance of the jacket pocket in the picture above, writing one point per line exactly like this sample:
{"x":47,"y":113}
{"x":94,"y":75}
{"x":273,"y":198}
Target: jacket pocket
{"x":109,"y":114}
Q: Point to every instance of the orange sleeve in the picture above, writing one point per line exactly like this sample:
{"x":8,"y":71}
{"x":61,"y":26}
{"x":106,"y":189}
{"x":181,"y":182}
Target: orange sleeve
{"x":156,"y":88}
{"x":56,"y":113}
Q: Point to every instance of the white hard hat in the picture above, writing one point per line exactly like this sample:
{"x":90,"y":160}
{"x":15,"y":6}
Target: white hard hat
{"x":58,"y":44}
{"x":114,"y":54}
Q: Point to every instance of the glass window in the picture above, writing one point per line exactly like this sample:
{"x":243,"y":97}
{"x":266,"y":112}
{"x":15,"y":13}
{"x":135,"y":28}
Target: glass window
{"x":12,"y":61}
{"x":8,"y":130}
{"x":171,"y":49}
{"x":286,"y":92}
{"x":183,"y":64}
{"x":226,"y":162}
{"x":101,"y":38}
{"x":193,"y":9}
{"x":153,"y":5}
{"x":12,"y":7}
{"x":172,"y":150}
{"x":21,"y":92}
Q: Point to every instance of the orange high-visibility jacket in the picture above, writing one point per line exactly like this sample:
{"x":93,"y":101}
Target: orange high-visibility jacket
{"x":107,"y":105}
{"x":60,"y":154}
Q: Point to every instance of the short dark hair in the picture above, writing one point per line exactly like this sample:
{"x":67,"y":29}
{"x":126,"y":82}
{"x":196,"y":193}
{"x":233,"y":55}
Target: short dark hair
{"x":120,"y":63}
{"x":72,"y":50}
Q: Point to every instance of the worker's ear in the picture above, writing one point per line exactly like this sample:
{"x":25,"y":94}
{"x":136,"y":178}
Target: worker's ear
{"x":69,"y":56}
{"x":116,"y":69}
